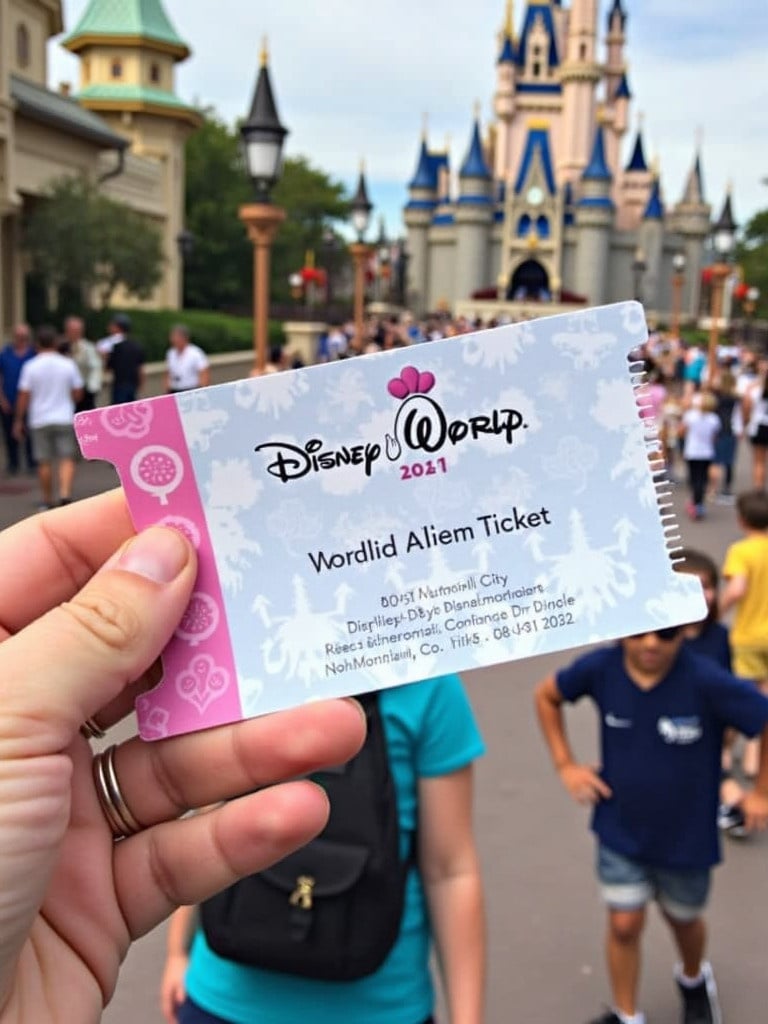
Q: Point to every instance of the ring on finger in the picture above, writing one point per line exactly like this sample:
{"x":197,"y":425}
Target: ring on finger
{"x":116,"y":810}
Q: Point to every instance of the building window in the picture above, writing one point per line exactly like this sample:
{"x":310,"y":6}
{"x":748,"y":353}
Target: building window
{"x":117,"y":69}
{"x":22,"y":46}
{"x":536,"y":69}
{"x":542,"y":226}
{"x":154,"y":73}
{"x":583,"y":51}
{"x":524,"y":226}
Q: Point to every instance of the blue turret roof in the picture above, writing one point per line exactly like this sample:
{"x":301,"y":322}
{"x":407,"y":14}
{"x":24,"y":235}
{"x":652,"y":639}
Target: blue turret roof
{"x":655,"y":208}
{"x":637,"y":160}
{"x":597,"y":169}
{"x":536,"y":143}
{"x":474,"y":165}
{"x":623,"y":91}
{"x":617,"y":8}
{"x":534,"y":11}
{"x":426,"y":172}
{"x":507,"y":55}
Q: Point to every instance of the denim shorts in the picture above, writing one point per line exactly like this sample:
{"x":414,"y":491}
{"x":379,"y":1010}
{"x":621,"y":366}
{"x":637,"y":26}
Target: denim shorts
{"x":191,"y":1013}
{"x":629,"y":885}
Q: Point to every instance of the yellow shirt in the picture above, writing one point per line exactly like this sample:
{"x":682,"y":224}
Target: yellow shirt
{"x":749,"y":558}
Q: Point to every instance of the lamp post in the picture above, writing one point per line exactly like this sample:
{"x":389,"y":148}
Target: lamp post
{"x":678,"y":280}
{"x":361,"y":208}
{"x":639,"y":267}
{"x":263,"y":137}
{"x":724,"y":239}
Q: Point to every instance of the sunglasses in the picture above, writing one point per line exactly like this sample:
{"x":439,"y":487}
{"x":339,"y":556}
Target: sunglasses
{"x":667,"y":635}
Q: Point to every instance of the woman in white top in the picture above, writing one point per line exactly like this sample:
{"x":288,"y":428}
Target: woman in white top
{"x":755,"y":415}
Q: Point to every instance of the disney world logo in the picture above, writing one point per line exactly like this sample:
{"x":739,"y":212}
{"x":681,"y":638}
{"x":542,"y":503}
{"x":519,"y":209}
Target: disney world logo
{"x":420,"y":425}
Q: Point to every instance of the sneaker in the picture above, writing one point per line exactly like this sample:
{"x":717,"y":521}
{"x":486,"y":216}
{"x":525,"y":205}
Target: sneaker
{"x":700,"y":1003}
{"x":609,"y":1017}
{"x":730,"y":819}
{"x":690,"y":508}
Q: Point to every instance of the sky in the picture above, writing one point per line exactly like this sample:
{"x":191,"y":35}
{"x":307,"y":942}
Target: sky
{"x":354,"y":80}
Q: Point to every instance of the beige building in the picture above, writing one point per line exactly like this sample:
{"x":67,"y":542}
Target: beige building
{"x":125,"y":130}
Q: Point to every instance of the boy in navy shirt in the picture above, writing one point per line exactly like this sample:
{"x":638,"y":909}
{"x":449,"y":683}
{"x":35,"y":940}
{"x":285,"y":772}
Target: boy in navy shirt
{"x":663,"y":712}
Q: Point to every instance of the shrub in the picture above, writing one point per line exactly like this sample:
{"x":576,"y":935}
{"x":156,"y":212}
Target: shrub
{"x":213,"y":332}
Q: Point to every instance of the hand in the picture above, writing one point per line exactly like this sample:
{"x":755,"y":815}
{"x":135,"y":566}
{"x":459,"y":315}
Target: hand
{"x":82,"y":615}
{"x":5,"y":405}
{"x":18,"y":430}
{"x":584,"y":784}
{"x":755,"y":807}
{"x":173,"y":991}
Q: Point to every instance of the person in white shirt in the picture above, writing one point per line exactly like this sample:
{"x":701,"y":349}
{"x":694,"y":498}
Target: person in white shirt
{"x":700,"y":427}
{"x":187,"y":365}
{"x":49,"y":387}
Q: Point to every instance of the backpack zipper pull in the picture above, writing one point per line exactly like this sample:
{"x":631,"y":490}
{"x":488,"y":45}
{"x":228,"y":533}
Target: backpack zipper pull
{"x":302,"y":895}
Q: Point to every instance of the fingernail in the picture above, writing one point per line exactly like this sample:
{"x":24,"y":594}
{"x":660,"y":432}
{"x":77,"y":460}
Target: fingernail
{"x":159,"y":554}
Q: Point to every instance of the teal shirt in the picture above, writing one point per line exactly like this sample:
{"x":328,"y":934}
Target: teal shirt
{"x":430,"y":731}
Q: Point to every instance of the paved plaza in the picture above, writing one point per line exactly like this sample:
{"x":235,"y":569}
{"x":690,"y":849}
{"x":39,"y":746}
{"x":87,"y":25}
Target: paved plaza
{"x":545,"y":922}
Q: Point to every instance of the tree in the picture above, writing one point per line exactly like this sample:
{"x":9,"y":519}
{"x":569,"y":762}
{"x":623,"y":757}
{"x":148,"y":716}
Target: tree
{"x":79,"y":240}
{"x":219,"y":271}
{"x":752,"y":255}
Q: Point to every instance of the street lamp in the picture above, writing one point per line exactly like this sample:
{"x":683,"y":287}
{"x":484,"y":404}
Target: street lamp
{"x":263,"y":136}
{"x":383,"y":255}
{"x":403,"y":257}
{"x":360,"y":208}
{"x":724,"y":239}
{"x":639,"y":267}
{"x":678,"y":280}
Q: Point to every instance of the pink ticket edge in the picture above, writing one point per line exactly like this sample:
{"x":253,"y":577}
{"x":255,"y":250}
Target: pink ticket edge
{"x":146,"y":443}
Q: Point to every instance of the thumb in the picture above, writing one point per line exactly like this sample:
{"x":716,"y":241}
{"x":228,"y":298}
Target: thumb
{"x":72,"y":661}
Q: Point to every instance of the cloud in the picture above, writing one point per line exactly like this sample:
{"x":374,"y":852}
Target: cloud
{"x":352,"y":81}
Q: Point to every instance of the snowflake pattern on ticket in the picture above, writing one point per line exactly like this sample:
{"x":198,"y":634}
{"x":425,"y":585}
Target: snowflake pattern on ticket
{"x":365,"y":524}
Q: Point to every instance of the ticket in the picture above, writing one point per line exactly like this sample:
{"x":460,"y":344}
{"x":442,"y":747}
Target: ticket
{"x":374,"y":521}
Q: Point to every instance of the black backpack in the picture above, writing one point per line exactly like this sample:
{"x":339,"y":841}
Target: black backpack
{"x":332,"y":910}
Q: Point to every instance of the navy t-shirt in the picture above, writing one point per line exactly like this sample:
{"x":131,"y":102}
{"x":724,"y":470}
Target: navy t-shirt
{"x":712,"y":643}
{"x":661,"y":753}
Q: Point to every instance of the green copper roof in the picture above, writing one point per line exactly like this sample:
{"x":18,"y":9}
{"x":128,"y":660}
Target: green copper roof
{"x":146,"y":18}
{"x":132,"y":93}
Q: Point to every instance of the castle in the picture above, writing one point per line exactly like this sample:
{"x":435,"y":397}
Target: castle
{"x":125,"y":131}
{"x":551,"y":205}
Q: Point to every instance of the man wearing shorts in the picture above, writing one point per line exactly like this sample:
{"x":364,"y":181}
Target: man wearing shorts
{"x":49,"y":388}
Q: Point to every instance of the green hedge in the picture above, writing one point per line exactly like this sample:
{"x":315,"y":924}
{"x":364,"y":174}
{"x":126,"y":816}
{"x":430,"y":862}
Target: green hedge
{"x":213,"y":332}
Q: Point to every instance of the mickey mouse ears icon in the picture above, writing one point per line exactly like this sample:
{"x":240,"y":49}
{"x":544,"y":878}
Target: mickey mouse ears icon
{"x":411,"y":382}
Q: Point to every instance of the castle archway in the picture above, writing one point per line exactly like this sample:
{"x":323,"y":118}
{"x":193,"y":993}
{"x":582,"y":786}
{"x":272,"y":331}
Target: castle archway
{"x":529,"y":281}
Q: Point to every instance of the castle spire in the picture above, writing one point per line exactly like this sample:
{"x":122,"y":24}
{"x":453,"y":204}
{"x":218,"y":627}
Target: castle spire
{"x":597,"y":169}
{"x":655,"y":208}
{"x":637,"y":161}
{"x":693,"y":193}
{"x":474,"y":165}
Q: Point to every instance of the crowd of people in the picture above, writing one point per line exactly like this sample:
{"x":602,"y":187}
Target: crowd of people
{"x":46,"y":379}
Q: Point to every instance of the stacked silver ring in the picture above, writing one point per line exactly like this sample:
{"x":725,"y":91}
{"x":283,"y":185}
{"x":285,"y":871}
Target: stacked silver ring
{"x":116,"y":811}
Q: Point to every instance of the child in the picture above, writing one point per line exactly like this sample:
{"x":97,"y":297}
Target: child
{"x":700,"y":427}
{"x":663,"y":712}
{"x":709,"y":638}
{"x":746,"y":590}
{"x":432,"y":741}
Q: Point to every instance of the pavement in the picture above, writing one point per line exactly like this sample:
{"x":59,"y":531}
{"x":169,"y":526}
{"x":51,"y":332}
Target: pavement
{"x":545,"y":920}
